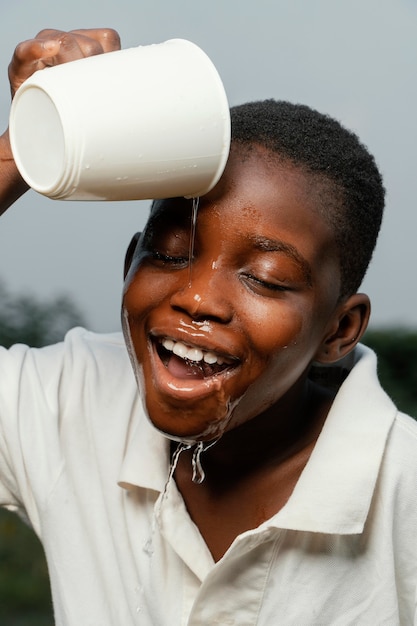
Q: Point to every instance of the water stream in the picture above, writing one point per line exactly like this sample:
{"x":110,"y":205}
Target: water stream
{"x":194,"y":211}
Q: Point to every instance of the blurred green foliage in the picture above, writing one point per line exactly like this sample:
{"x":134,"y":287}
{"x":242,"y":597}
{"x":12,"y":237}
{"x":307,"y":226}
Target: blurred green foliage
{"x":24,"y":584}
{"x":397,"y":364}
{"x":35,"y":322}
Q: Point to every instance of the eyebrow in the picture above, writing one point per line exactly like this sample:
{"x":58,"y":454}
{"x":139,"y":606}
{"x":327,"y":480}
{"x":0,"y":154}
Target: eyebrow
{"x":276,"y":245}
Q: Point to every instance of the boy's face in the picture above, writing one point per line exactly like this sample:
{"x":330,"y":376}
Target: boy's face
{"x":233,"y":337}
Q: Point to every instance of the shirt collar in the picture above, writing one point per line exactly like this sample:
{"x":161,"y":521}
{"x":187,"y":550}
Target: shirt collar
{"x":146,"y":461}
{"x":334,"y":491}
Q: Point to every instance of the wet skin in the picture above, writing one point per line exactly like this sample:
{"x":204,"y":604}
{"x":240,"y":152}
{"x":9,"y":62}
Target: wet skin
{"x":262,"y":293}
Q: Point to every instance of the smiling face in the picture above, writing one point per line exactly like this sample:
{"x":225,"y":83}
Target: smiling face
{"x":232,"y":337}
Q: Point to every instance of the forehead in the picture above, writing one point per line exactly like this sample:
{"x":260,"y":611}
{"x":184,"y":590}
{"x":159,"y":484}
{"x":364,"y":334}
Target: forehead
{"x":260,"y":198}
{"x":254,"y":176}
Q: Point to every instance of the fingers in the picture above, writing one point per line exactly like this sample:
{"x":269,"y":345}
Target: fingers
{"x":53,"y":47}
{"x":88,"y":41}
{"x":108,"y":38}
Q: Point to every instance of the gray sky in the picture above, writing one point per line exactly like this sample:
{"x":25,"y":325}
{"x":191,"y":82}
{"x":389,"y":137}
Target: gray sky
{"x":353,"y":59}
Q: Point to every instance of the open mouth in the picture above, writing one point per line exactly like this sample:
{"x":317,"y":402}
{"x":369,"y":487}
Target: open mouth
{"x":186,"y":361}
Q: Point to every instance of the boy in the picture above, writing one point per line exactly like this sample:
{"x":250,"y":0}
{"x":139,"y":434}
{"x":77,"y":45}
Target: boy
{"x":280,"y":488}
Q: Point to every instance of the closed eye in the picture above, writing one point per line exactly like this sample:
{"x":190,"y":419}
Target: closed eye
{"x":166,"y":259}
{"x":259,"y":284}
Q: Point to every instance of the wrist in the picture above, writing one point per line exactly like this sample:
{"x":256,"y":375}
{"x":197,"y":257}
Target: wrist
{"x":12,"y":185}
{"x":5,"y":147}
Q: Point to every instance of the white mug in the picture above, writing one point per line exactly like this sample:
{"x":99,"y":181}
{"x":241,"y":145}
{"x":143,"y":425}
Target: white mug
{"x":140,"y":123}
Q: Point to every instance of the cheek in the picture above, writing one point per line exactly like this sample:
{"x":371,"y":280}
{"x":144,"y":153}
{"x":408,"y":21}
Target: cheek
{"x":274,"y":328}
{"x":132,"y":304}
{"x":139,"y":297}
{"x":279,"y":357}
{"x":284,"y":342}
{"x":142,"y":291}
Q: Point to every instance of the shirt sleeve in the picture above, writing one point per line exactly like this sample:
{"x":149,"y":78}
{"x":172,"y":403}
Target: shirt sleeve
{"x":29,"y":424}
{"x":59,"y":405}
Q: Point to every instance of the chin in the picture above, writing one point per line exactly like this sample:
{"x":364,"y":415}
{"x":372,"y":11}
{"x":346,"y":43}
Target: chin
{"x":183,"y":426}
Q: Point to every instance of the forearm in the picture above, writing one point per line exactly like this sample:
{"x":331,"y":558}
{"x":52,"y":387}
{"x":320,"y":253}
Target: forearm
{"x":12,"y":185}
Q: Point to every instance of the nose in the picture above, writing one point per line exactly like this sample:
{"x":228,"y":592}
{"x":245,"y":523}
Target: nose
{"x":204,"y":294}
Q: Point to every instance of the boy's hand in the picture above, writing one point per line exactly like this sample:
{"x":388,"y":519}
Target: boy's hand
{"x":49,"y":47}
{"x":53,"y":47}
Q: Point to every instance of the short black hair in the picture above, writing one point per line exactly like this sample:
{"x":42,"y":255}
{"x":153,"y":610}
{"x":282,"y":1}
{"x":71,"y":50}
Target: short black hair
{"x":351,"y":187}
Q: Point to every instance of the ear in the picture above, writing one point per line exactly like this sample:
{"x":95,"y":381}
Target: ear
{"x":130,"y":253}
{"x":347,"y":328}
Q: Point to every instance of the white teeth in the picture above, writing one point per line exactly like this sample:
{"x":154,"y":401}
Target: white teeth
{"x":210,"y":358}
{"x":180,"y":350}
{"x":195,"y":354}
{"x":192,"y":354}
{"x":168,"y":343}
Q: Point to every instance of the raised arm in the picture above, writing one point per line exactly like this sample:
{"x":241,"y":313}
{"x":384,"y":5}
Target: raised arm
{"x":48,"y":48}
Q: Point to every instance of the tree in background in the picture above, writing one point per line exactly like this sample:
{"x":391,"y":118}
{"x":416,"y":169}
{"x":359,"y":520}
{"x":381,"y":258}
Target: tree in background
{"x":397,"y":364}
{"x":25,"y":597}
{"x":26,"y":319}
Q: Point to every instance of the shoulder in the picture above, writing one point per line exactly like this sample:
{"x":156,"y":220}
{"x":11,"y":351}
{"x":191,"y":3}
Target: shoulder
{"x":398,"y":472}
{"x":97,"y":359}
{"x":83,"y":362}
{"x":94,"y":341}
{"x":402,"y":441}
{"x":81,"y":345}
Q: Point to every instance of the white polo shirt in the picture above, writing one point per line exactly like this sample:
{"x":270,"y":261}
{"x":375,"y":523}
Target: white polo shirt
{"x":79,"y":458}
